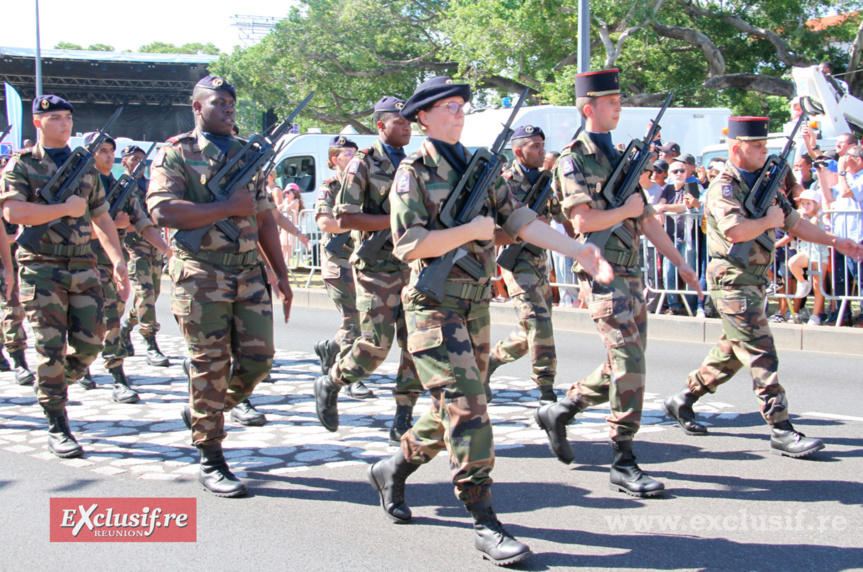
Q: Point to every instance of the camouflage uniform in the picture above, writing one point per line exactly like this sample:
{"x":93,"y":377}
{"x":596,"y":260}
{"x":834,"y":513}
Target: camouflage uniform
{"x":739,"y":294}
{"x":337,"y":273}
{"x":219,"y":297}
{"x":145,"y":274}
{"x":379,"y":285}
{"x":618,"y":309}
{"x":60,"y":286}
{"x":449,"y":341}
{"x":531,"y":294}
{"x":14,"y":336}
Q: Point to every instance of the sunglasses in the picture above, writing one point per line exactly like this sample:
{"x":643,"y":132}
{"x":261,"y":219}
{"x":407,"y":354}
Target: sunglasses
{"x":678,"y":171}
{"x":454,"y":107}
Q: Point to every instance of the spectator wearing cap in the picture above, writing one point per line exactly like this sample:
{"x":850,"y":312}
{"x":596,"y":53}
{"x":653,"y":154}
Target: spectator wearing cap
{"x":814,"y":256}
{"x":669,"y":151}
{"x":713,"y":169}
{"x":689,"y":163}
{"x":659,"y":178}
{"x":291,"y":208}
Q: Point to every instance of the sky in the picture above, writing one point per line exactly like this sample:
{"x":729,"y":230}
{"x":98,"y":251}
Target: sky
{"x":130,"y":27}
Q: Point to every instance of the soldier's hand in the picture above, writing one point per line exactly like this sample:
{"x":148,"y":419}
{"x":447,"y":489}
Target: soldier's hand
{"x":121,"y":279}
{"x":287,"y":296}
{"x":634,"y":206}
{"x":775,"y":217}
{"x":8,"y":282}
{"x":121,"y":220}
{"x":481,"y":228}
{"x":241,"y":203}
{"x":591,"y":260}
{"x":691,"y":278}
{"x":304,"y":239}
{"x":76,"y":206}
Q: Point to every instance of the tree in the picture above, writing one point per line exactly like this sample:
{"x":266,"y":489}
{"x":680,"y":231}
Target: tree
{"x":194,"y":48}
{"x":101,"y":48}
{"x":67,"y":46}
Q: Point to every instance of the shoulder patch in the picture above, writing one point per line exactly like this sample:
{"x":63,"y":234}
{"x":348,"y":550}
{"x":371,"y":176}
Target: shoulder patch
{"x":727,"y":192}
{"x":160,"y":158}
{"x":355,"y":164}
{"x":567,"y":166}
{"x":404,"y":183}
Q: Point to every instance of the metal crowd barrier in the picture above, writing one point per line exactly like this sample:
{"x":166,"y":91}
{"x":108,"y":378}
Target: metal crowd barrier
{"x":300,"y":256}
{"x":846,"y":290}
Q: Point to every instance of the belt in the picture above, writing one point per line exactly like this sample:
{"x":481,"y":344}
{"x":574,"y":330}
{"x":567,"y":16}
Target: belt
{"x":621,"y":258}
{"x":226,"y":259}
{"x":64,"y":250}
{"x":759,"y":270}
{"x":469,"y":290}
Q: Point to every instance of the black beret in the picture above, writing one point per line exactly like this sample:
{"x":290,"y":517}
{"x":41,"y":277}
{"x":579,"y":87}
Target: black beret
{"x":433,"y":90}
{"x":91,"y":136}
{"x":670,"y":147}
{"x":661,"y":166}
{"x":132,"y":149}
{"x":748,"y":128}
{"x":46,"y":103}
{"x":390,"y":103}
{"x":4,"y":158}
{"x":597,"y":84}
{"x":523,"y":131}
{"x":216,"y":83}
{"x":340,"y":141}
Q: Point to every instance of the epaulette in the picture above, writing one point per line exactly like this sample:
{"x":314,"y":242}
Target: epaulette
{"x":363,"y":153}
{"x":507,"y":174}
{"x":177,"y":138}
{"x":24,"y":151}
{"x":570,"y":144}
{"x":330,"y":180}
{"x":410,"y":159}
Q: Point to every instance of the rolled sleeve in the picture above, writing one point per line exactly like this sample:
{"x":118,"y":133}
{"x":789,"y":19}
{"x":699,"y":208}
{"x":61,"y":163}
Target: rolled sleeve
{"x":790,"y":220}
{"x":168,"y":181}
{"x":517,"y":220}
{"x":97,"y":203}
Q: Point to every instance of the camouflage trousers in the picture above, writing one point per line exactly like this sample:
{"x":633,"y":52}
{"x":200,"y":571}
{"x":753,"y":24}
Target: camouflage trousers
{"x":620,"y":314}
{"x":145,"y":274}
{"x":450,"y":346}
{"x":63,"y":302}
{"x":112,"y":350}
{"x":14,"y":336}
{"x":382,"y":321}
{"x":338,"y":278}
{"x":226,"y":316}
{"x":745,"y":341}
{"x":532,"y":297}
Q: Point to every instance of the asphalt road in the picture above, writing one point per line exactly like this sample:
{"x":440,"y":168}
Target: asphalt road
{"x":730,"y":504}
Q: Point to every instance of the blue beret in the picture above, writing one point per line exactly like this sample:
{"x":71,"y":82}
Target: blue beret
{"x":433,"y":90}
{"x":91,"y":136}
{"x":216,"y":83}
{"x":523,"y":131}
{"x":340,"y":141}
{"x":132,"y":149}
{"x":46,"y":103}
{"x":597,"y":84}
{"x":4,"y":158}
{"x":748,"y":128}
{"x":389,"y":103}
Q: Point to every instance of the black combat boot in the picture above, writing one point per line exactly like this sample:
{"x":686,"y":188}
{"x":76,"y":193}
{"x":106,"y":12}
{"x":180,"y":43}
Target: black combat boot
{"x":547,"y":394}
{"x":245,"y":414}
{"x":122,"y":393}
{"x":155,"y":357}
{"x":553,"y":419}
{"x":4,"y":364}
{"x":492,"y":539}
{"x":327,"y":402}
{"x":23,"y":375}
{"x":787,"y":442}
{"x":627,"y":477}
{"x":61,"y":442}
{"x":215,"y":476}
{"x":186,"y":416}
{"x":126,"y":337}
{"x":679,"y":408}
{"x":388,"y":478}
{"x":403,"y":420}
{"x":359,"y":390}
{"x":328,"y":352}
{"x":87,"y":381}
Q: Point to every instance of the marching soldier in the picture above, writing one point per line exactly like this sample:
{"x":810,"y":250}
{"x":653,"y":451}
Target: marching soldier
{"x":528,"y":283}
{"x":738,"y":292}
{"x":618,"y":309}
{"x":14,"y":336}
{"x":449,"y":341}
{"x":220,"y":297}
{"x":145,"y":273}
{"x":336,"y":271}
{"x":363,"y":205}
{"x":60,"y":285}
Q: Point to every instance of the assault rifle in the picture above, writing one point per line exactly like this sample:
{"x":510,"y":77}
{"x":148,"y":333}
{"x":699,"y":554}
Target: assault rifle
{"x":465,"y":203}
{"x":55,"y":191}
{"x":370,"y":249}
{"x":257,"y":151}
{"x":623,"y":182}
{"x":123,"y":188}
{"x":336,"y":244}
{"x":536,"y":200}
{"x":763,"y":195}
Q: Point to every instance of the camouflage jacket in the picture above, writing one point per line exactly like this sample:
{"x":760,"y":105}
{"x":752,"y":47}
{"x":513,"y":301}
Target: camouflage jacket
{"x":136,"y":239}
{"x":366,"y":189}
{"x":181,"y":171}
{"x":25,"y":174}
{"x":138,"y":220}
{"x":324,"y":204}
{"x":723,"y":210}
{"x":423,"y":183}
{"x":579,"y":174}
{"x":519,"y":186}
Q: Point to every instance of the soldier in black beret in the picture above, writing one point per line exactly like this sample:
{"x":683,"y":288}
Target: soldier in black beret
{"x":48,"y":103}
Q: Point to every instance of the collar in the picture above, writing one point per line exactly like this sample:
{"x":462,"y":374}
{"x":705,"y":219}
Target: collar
{"x":387,"y":165}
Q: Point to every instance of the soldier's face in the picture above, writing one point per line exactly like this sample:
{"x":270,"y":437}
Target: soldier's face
{"x":604,"y":113}
{"x":214,"y":112}
{"x":104,"y":158}
{"x":441,"y":124}
{"x":132,"y":161}
{"x":56,"y":127}
{"x":751,"y":155}
{"x":548,"y":163}
{"x":395,"y":130}
{"x":344,"y":157}
{"x":532,"y":152}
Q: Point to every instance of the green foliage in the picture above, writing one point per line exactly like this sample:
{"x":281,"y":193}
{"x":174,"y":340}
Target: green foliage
{"x":194,"y":48}
{"x":68,"y":46}
{"x":101,"y":48}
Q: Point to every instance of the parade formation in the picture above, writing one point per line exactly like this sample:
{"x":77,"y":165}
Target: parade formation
{"x":408,"y":256}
